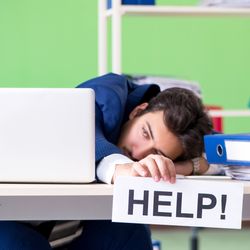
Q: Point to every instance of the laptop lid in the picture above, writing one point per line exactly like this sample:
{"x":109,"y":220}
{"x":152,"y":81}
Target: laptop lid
{"x":47,"y":135}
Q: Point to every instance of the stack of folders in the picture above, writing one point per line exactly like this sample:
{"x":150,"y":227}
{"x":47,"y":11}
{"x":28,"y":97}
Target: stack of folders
{"x":165,"y":82}
{"x":232,"y":151}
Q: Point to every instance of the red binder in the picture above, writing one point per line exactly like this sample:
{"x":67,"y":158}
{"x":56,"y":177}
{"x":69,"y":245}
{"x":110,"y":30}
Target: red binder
{"x":217,"y":121}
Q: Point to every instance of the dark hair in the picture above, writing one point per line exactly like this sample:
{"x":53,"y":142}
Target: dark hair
{"x":185,"y":117}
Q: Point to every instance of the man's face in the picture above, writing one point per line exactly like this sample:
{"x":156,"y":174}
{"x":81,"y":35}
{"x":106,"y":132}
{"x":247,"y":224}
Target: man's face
{"x":147,"y":134}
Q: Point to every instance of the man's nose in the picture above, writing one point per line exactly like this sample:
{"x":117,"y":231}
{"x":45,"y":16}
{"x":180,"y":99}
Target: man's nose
{"x":140,"y":151}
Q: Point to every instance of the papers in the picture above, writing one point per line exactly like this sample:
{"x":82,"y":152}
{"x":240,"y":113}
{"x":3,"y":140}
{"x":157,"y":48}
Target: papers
{"x":238,"y":172}
{"x":165,"y":82}
{"x":204,"y":177}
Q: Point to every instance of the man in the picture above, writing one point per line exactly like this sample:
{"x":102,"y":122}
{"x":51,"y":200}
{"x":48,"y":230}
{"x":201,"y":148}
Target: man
{"x":137,"y":134}
{"x":140,"y":136}
{"x":142,"y":132}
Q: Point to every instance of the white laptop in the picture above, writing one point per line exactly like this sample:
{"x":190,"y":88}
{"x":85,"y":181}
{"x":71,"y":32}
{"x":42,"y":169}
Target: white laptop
{"x":47,"y":135}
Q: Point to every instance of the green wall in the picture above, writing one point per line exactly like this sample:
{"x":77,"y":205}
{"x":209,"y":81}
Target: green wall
{"x":48,"y":43}
{"x":53,"y":43}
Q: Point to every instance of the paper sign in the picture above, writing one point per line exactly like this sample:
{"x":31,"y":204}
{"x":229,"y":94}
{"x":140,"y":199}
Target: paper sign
{"x":197,"y":203}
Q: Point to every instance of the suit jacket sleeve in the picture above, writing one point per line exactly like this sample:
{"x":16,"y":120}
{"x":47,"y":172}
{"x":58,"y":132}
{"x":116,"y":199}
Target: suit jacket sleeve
{"x":111,"y":95}
{"x":115,"y":98}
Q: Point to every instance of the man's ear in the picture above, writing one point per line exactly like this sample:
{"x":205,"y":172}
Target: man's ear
{"x":137,"y":110}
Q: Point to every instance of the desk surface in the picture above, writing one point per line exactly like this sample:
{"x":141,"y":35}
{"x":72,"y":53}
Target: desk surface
{"x":19,"y":189}
{"x":67,"y":201}
{"x":16,"y":189}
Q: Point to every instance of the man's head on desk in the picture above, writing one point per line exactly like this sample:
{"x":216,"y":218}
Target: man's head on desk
{"x":171,"y":124}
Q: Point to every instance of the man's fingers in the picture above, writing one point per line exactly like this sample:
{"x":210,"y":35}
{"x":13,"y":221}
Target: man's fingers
{"x":139,"y":169}
{"x":160,"y":167}
{"x":151,"y":165}
{"x":156,"y":166}
{"x":167,"y":169}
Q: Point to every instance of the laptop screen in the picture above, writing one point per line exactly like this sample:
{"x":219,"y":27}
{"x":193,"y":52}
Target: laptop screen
{"x":47,"y":135}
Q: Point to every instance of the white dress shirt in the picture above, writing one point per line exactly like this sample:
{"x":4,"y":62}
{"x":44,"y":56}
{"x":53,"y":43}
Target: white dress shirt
{"x":106,"y":167}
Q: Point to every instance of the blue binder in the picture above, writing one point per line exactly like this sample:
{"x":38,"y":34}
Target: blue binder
{"x":228,"y":149}
{"x":133,"y":2}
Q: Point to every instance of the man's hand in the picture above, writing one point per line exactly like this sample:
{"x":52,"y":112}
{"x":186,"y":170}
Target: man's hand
{"x":156,"y":166}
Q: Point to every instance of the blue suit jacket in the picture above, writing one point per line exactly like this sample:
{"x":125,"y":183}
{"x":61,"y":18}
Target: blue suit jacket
{"x":115,"y":98}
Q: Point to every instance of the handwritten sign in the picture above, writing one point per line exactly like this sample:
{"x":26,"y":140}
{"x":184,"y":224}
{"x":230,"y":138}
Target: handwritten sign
{"x":198,"y":203}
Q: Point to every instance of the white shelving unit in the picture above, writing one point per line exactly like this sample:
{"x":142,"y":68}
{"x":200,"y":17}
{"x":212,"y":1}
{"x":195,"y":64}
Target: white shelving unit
{"x":230,"y":113}
{"x":118,"y":11}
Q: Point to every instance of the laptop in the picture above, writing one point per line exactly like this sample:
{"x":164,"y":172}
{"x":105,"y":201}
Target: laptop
{"x":47,"y":135}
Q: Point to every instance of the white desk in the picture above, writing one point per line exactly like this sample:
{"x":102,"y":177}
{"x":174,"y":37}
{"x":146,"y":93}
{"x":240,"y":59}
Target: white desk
{"x":67,"y":201}
{"x":55,"y":201}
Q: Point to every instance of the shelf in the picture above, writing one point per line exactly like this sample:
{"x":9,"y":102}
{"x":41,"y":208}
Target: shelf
{"x":230,"y":113}
{"x":118,"y":11}
{"x":141,"y":10}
